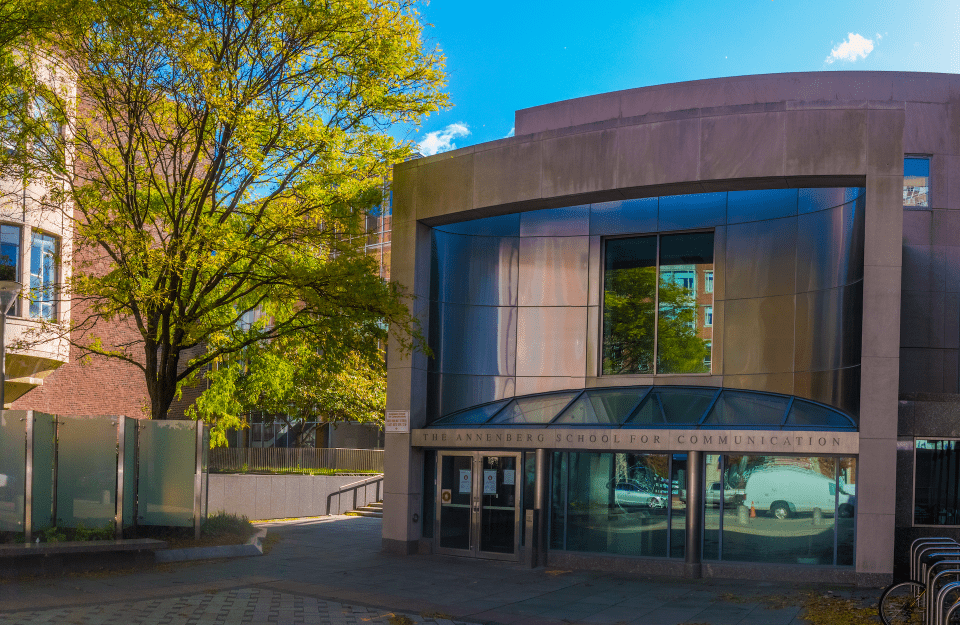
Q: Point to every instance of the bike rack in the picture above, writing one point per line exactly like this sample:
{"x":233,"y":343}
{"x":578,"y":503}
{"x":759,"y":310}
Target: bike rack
{"x":925,"y":551}
{"x":922,"y":542}
{"x":940,"y":595}
{"x":933,"y":576}
{"x":927,"y":557}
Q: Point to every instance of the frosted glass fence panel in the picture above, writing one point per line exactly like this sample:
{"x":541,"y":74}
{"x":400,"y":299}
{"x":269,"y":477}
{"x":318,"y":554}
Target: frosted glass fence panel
{"x":13,"y":458}
{"x":168,"y":464}
{"x":86,"y":471}
{"x":129,"y":468}
{"x":44,"y":443}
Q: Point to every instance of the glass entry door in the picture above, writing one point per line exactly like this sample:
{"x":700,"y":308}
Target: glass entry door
{"x":478,"y":504}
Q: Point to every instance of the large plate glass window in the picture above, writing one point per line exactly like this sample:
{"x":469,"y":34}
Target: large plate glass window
{"x":43,"y":276}
{"x":658,"y":304}
{"x":937,"y":482}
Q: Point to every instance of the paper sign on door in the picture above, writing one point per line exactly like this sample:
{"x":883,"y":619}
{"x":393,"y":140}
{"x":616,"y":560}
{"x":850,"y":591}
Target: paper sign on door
{"x":464,"y":481}
{"x":490,"y":482}
{"x":509,"y":477}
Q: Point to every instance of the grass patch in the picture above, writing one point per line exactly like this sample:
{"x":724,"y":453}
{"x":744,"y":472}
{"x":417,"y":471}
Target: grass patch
{"x":399,"y":619}
{"x":831,"y":610}
{"x":436,"y":615}
{"x":63,"y":534}
{"x":270,"y":542}
{"x":293,"y":471}
{"x":217,"y":530}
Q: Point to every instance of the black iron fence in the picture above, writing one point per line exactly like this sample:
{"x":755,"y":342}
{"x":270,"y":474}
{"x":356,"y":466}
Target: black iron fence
{"x":292,"y":459}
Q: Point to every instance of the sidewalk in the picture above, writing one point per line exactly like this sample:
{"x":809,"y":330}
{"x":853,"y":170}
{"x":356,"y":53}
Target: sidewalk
{"x":330,"y":570}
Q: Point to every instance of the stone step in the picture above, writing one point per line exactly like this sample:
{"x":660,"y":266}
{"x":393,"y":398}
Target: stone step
{"x":370,"y":510}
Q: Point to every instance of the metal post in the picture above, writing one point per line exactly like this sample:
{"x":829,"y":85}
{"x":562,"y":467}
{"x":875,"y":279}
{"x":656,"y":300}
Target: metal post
{"x":28,"y":482}
{"x":197,"y":481}
{"x":121,"y":444}
{"x":692,"y":560}
{"x":541,"y":504}
{"x":3,"y":359}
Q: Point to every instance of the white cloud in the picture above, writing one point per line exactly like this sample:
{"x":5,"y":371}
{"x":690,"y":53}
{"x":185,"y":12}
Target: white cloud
{"x":512,"y":131}
{"x":442,"y":140}
{"x":856,"y":46}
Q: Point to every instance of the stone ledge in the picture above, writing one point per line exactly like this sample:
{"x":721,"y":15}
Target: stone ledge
{"x":253,"y":547}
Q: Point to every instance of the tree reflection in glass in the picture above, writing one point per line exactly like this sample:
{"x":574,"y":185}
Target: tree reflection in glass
{"x":629,"y":305}
{"x":678,"y":304}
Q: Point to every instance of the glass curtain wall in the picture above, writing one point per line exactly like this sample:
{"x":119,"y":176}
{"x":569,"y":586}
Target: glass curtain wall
{"x":613,"y":503}
{"x":803,"y":508}
{"x":658,"y":304}
{"x":779,"y":509}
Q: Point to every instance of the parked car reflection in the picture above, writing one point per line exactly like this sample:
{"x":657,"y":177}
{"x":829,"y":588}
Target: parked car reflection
{"x":631,"y":495}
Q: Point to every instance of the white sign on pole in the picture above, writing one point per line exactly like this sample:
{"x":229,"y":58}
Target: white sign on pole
{"x":397,"y":422}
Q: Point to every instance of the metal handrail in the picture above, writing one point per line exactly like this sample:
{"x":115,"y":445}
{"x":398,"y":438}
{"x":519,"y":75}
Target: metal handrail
{"x":355,"y":487}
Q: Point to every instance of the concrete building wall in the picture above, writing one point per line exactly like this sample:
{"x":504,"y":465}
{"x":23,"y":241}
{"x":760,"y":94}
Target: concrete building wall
{"x":790,"y":130}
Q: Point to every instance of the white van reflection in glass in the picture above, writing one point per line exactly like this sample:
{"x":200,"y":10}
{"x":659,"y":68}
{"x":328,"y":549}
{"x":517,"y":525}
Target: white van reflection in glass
{"x":787,"y":491}
{"x":782,"y":509}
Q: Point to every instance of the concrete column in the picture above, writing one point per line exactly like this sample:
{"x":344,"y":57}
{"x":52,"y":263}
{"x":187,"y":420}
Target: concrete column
{"x":692,"y":566}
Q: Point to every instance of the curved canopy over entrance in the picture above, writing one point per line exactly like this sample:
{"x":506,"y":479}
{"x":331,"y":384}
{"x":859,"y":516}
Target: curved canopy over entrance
{"x":674,"y":407}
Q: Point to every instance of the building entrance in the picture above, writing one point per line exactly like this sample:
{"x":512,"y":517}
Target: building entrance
{"x":478,"y":504}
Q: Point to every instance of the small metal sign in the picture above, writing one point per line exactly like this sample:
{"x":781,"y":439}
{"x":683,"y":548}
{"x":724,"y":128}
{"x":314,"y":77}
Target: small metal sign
{"x":397,"y":422}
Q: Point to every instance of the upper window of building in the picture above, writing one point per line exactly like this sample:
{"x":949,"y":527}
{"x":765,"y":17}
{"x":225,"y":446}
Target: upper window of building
{"x":708,"y":282}
{"x":43,"y":276}
{"x":10,"y":258}
{"x":916,"y":181}
{"x":650,"y":310}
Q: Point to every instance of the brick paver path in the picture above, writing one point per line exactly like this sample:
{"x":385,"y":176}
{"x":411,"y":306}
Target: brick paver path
{"x":244,"y":605}
{"x":332,"y":570}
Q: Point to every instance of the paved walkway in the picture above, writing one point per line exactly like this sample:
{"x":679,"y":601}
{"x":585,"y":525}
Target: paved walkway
{"x":331,"y":570}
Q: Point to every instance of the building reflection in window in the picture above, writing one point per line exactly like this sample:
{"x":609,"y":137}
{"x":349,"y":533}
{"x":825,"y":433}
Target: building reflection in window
{"x":916,"y":182}
{"x":658,"y":304}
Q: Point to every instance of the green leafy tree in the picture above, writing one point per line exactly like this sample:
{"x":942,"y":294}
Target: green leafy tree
{"x":223,"y":154}
{"x":295,"y":382}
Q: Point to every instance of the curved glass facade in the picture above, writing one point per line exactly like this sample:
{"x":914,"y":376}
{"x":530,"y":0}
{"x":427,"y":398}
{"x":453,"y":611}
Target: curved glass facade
{"x":654,"y":407}
{"x":528,"y":303}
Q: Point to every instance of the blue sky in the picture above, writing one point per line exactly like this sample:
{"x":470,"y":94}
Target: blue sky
{"x":503,"y":56}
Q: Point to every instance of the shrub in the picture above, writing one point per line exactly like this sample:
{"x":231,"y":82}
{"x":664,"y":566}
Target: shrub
{"x":223,"y":524}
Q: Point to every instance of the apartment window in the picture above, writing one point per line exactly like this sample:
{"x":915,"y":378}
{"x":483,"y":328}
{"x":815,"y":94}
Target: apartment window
{"x":708,"y":282}
{"x":936,"y":490}
{"x":43,"y":276}
{"x":916,"y":181}
{"x":708,"y":316}
{"x":650,"y":320}
{"x":10,"y":258}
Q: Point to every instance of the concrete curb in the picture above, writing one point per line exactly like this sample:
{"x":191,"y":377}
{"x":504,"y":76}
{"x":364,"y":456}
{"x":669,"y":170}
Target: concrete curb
{"x":253,"y":547}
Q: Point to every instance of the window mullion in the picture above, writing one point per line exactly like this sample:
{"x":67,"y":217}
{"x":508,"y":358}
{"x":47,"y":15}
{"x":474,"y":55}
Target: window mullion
{"x":656,"y":312}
